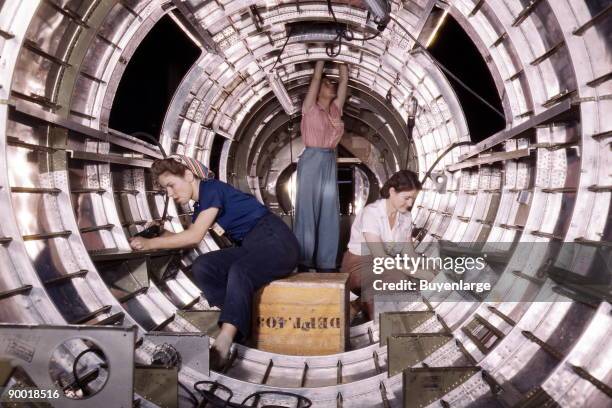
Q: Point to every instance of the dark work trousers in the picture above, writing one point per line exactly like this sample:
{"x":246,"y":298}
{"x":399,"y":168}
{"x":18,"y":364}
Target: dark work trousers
{"x":229,"y":277}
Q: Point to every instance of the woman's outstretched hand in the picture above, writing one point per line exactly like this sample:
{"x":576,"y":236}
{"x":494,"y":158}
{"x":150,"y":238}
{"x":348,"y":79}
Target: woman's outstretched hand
{"x":140,"y":243}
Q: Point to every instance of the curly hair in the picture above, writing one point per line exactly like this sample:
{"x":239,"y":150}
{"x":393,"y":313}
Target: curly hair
{"x":168,"y":165}
{"x":403,"y":180}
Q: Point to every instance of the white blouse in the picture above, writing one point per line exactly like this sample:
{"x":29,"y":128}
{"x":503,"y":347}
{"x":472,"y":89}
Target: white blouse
{"x":373,"y":219}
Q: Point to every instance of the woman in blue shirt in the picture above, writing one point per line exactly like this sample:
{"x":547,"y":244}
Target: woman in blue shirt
{"x":267,"y":249}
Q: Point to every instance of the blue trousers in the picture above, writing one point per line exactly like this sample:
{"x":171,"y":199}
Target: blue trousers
{"x":317,"y":218}
{"x":229,"y":277}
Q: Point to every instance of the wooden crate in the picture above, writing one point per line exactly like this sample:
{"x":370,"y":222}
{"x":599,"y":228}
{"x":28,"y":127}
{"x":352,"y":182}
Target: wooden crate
{"x":304,"y":314}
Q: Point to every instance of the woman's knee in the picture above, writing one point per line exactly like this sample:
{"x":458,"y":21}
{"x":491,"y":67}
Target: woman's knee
{"x":288,"y":246}
{"x":355,"y":280}
{"x":207,"y":275}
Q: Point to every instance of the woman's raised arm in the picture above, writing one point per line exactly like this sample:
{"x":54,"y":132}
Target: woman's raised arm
{"x":342,"y":85}
{"x":313,"y":89}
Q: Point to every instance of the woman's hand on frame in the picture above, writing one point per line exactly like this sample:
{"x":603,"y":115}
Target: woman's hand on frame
{"x":140,"y":244}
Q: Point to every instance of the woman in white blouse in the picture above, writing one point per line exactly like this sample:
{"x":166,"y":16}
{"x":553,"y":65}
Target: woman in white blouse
{"x":382,"y":229}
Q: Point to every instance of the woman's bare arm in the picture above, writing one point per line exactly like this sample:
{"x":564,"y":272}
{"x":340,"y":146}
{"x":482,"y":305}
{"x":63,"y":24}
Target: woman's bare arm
{"x":167,"y":233}
{"x":190,"y":237}
{"x":378,"y":251}
{"x":342,"y":86}
{"x":408,"y":248}
{"x":313,"y":89}
{"x":375,"y":245}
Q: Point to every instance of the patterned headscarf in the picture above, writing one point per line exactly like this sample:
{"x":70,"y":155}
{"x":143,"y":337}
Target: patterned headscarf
{"x":196,"y":167}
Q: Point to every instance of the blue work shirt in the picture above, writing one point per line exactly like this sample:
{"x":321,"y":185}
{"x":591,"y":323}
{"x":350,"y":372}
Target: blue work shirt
{"x":238,"y":211}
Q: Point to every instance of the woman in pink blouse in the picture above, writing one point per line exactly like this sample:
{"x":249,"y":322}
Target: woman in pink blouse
{"x":317,"y":209}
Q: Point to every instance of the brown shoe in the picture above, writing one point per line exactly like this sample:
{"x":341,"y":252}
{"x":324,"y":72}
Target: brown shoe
{"x":217,"y":362}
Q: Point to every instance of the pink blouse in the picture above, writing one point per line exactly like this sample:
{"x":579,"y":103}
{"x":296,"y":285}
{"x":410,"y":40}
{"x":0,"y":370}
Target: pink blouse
{"x":320,"y":128}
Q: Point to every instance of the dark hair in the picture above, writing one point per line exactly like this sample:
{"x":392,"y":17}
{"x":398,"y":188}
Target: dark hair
{"x":334,"y":80}
{"x":403,"y":180}
{"x":167,"y":165}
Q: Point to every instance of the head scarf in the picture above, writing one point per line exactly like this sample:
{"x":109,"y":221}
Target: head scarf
{"x":196,"y":167}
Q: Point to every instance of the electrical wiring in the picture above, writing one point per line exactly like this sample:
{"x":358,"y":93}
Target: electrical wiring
{"x":210,"y":398}
{"x":451,"y":147}
{"x":77,"y":379}
{"x":344,"y":32}
{"x":282,"y":50}
{"x":191,"y":395}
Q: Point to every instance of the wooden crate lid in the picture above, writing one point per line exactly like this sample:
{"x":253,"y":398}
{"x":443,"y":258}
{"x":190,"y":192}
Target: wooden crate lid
{"x":313,"y":279}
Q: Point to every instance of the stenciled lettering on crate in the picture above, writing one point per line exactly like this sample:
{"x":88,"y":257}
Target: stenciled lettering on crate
{"x":305,"y":314}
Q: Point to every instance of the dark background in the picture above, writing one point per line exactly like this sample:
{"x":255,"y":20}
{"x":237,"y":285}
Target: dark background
{"x":456,"y":51}
{"x":151,"y":78}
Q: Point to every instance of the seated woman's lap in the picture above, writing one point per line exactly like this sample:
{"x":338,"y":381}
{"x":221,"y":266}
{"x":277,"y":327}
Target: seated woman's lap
{"x":263,"y":257}
{"x":270,"y":252}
